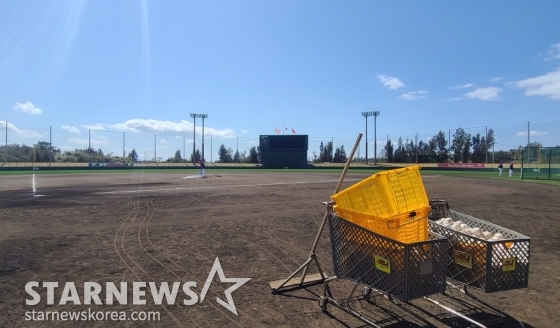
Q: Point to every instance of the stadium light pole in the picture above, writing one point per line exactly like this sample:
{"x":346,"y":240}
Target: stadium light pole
{"x":193,"y":115}
{"x":89,"y":146}
{"x":203,"y":116}
{"x":375,"y":114}
{"x":366,"y":115}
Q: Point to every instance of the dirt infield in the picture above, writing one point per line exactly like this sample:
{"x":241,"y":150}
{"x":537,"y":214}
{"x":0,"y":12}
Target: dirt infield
{"x":160,"y":227}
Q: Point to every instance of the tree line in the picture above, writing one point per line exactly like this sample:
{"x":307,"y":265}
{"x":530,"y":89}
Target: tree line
{"x":463,"y":147}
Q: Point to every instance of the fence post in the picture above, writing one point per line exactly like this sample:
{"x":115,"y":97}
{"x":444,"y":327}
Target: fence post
{"x":6,"y":156}
{"x":549,"y":161}
{"x":522,"y":153}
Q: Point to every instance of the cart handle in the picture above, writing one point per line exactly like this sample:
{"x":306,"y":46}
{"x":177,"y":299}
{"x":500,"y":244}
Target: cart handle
{"x":411,"y":214}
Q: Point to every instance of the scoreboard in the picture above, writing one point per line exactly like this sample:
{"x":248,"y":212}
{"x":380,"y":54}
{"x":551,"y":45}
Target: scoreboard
{"x":283,"y":142}
{"x":283,"y":150}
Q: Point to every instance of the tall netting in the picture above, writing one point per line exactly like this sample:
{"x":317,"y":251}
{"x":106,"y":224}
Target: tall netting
{"x":540,"y":163}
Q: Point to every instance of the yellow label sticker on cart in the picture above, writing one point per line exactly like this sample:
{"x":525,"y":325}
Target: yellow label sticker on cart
{"x":382,"y":264}
{"x":509,"y":264}
{"x":464,"y":259}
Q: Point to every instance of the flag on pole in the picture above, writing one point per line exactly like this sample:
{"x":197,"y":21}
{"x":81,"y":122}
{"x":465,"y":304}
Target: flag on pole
{"x":276,"y":130}
{"x":293,"y":131}
{"x":286,"y":128}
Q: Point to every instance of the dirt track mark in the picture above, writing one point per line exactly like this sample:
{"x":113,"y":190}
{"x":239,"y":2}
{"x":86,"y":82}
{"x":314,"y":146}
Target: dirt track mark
{"x":135,"y":273}
{"x":146,"y":230}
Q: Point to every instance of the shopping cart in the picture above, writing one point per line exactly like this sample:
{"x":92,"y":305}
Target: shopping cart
{"x":385,"y":266}
{"x":403,"y":273}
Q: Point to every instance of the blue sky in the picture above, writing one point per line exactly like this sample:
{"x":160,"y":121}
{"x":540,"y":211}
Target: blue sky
{"x":141,"y":67}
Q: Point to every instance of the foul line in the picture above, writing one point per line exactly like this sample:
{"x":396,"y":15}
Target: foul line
{"x":232,"y":186}
{"x":217,"y":187}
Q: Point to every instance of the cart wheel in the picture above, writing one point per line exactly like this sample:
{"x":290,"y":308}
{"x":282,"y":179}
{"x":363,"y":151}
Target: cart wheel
{"x":366,"y":293}
{"x":323,"y":303}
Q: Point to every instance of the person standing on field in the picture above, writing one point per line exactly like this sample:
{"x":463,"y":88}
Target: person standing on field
{"x":510,"y":169}
{"x":202,"y":166}
{"x":501,"y":167}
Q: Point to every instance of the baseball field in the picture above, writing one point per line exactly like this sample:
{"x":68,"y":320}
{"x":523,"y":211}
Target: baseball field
{"x":151,"y":226}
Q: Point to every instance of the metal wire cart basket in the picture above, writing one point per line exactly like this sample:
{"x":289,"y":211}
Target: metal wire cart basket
{"x":493,"y":265}
{"x":406,"y":271}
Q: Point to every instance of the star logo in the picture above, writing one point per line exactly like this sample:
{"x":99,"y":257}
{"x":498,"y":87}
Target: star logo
{"x":217,"y":268}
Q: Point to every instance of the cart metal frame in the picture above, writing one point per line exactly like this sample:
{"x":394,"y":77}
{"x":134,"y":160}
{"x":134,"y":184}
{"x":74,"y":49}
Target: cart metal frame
{"x":443,"y":299}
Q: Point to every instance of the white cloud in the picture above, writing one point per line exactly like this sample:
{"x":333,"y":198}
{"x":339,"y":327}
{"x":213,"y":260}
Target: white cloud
{"x":244,"y":131}
{"x":533,"y":133}
{"x":554,"y":52}
{"x":463,"y":86}
{"x":547,"y":85}
{"x":20,"y":132}
{"x":78,"y":141}
{"x":453,"y":99}
{"x":486,"y":94}
{"x":390,"y":82}
{"x":94,"y":127}
{"x":413,"y":95}
{"x":169,"y":127}
{"x":27,"y":107}
{"x":163,"y":141}
{"x":95,"y":142}
{"x":71,"y":129}
{"x":496,"y":79}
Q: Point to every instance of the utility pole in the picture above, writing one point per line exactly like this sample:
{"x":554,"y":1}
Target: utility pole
{"x":193,"y":115}
{"x":50,"y":144}
{"x":386,"y":145}
{"x":123,"y":146}
{"x":486,"y":145}
{"x":528,"y":134}
{"x":449,"y":141}
{"x":6,"y":159}
{"x":375,"y":114}
{"x":416,"y":142}
{"x":203,"y":116}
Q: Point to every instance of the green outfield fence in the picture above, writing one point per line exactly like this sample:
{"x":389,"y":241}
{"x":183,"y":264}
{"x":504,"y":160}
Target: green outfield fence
{"x":541,"y":163}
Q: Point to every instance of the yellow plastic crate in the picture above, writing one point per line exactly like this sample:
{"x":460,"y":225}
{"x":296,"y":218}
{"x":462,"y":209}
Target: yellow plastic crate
{"x":406,"y":228}
{"x":385,"y":194}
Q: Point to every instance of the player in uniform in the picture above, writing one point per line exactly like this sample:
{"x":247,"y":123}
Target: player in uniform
{"x":202,"y":166}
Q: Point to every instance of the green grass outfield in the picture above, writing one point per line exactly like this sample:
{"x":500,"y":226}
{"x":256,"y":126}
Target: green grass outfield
{"x":210,"y":171}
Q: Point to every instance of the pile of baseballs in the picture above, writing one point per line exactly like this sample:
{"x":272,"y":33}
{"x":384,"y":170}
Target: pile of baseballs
{"x":464,"y":228}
